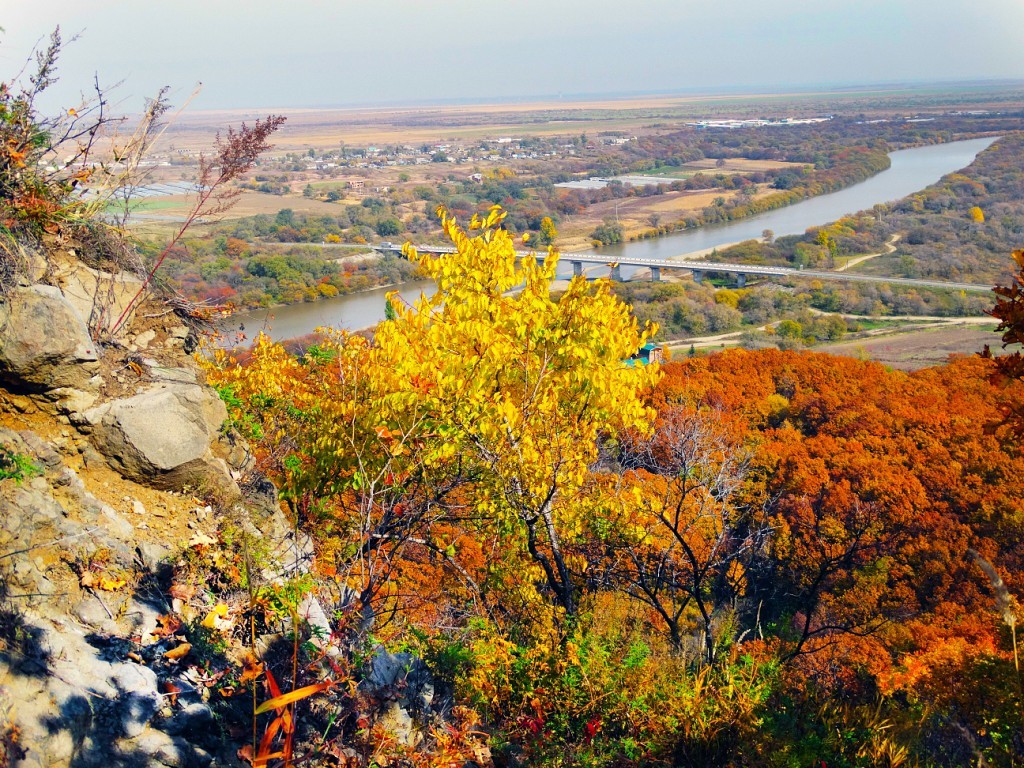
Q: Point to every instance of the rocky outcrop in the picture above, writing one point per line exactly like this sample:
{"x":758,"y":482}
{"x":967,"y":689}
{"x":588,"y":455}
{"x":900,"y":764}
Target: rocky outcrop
{"x":44,"y":342}
{"x":84,"y":675}
{"x":84,"y":670}
{"x":403,"y":689}
{"x":90,"y":553}
{"x":162,"y":436}
{"x":82,"y":695}
{"x":99,"y":296}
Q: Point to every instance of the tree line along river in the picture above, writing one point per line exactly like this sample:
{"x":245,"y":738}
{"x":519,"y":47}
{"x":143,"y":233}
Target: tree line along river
{"x":911,"y":171}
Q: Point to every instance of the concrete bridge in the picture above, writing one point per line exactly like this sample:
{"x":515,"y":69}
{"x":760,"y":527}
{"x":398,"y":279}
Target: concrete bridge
{"x":743,"y":271}
{"x":700,"y":269}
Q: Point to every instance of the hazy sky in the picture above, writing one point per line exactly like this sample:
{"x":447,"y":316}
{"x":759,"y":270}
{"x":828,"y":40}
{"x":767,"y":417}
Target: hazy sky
{"x":293,"y":53}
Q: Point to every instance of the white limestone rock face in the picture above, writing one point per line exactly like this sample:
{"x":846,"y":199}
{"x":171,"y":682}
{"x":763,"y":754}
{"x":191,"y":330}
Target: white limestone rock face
{"x":44,"y":342}
{"x":162,"y":437}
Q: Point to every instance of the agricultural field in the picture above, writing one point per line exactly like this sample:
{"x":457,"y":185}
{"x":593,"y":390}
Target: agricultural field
{"x":919,"y":348}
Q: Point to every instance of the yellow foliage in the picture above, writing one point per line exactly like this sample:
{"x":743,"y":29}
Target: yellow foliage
{"x":489,"y":378}
{"x":522,"y":383}
{"x":102,"y":581}
{"x":727,"y":297}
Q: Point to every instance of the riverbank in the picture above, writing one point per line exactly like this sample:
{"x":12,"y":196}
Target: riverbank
{"x":911,"y":171}
{"x":354,"y":311}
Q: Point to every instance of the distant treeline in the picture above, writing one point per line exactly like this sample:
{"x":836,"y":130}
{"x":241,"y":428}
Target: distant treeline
{"x":229,"y":271}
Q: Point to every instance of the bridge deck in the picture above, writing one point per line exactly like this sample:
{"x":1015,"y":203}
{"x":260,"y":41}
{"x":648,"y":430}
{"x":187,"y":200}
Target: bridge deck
{"x":739,"y":269}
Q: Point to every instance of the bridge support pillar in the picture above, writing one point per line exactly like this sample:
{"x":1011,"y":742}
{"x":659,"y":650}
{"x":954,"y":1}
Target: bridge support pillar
{"x":698,"y":276}
{"x":655,"y":274}
{"x":741,"y":280}
{"x":577,"y":268}
{"x":616,"y":274}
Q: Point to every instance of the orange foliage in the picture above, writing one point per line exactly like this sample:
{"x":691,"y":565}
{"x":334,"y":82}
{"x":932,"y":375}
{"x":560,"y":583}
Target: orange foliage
{"x":881,"y":480}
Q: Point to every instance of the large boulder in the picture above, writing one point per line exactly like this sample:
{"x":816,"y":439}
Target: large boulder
{"x":97,"y":295}
{"x":44,"y":342}
{"x":162,"y":437}
{"x":403,"y":688}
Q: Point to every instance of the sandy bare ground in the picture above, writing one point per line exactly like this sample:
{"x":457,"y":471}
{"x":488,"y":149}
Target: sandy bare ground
{"x":634,"y":214}
{"x":920,"y":348}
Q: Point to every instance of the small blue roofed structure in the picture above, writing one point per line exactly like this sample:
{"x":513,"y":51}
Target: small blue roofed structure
{"x":648,"y":353}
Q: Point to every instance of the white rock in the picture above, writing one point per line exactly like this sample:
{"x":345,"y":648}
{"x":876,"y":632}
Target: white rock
{"x":143,"y":339}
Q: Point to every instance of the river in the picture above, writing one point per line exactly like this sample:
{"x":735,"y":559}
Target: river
{"x":911,"y":171}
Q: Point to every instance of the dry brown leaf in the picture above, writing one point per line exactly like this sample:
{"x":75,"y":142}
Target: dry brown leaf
{"x":252,"y":668}
{"x":166,"y":626}
{"x":183,"y":591}
{"x":172,"y":691}
{"x":245,"y":754}
{"x":178,"y":653}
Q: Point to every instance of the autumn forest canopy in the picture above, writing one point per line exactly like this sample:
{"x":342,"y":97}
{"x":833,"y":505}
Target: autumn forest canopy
{"x":569,"y":556}
{"x":752,"y":558}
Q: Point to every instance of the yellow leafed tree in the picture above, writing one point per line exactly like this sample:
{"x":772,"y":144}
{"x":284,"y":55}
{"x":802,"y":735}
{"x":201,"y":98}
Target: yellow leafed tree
{"x":518,"y":383}
{"x":491,"y":387}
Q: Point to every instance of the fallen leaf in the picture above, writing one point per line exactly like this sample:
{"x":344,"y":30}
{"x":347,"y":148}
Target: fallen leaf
{"x":252,"y":668}
{"x":182,"y":591}
{"x":172,"y":691}
{"x":89,"y":579}
{"x":482,"y":753}
{"x":166,"y":626}
{"x":218,"y":618}
{"x":111,"y":585}
{"x":178,"y":653}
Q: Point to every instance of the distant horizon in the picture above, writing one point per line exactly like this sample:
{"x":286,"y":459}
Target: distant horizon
{"x":809,"y":89}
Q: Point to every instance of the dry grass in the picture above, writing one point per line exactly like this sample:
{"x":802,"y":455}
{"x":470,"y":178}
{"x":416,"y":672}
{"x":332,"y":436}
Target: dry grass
{"x":917,"y":349}
{"x":741,"y":165}
{"x":634,"y":213}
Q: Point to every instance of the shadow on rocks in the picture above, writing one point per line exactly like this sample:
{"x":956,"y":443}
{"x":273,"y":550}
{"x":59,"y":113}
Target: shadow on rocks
{"x":21,"y":644}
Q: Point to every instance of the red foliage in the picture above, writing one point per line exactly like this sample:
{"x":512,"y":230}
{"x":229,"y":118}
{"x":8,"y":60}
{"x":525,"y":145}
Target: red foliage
{"x":880,"y":481}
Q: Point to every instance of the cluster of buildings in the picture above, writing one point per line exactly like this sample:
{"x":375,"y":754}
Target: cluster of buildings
{"x":760,"y":122}
{"x":496,"y":149}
